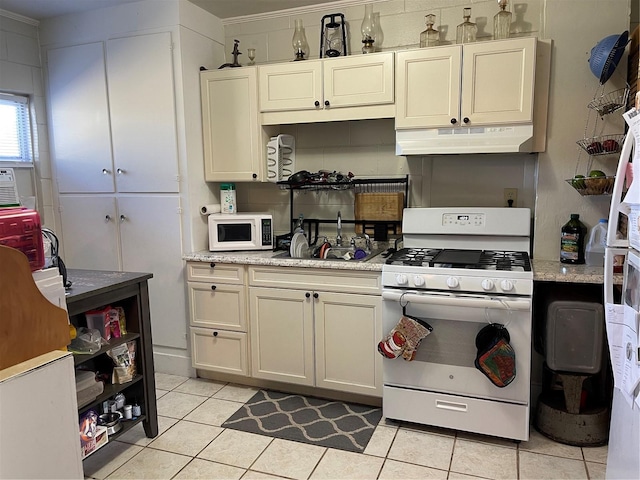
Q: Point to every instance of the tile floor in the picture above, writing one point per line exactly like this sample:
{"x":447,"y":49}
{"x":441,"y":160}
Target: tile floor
{"x":192,"y":445}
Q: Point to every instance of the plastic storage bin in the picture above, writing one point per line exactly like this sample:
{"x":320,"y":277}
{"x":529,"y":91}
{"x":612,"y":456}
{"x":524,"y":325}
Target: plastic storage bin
{"x":20,"y":228}
{"x":574,"y":336}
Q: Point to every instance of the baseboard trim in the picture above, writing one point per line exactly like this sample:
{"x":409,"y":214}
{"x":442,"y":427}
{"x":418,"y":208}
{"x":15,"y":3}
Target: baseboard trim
{"x":173,"y":363}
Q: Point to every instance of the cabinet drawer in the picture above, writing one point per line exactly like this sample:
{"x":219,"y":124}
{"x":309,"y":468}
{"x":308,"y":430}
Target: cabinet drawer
{"x":220,"y":272}
{"x":311,"y":279}
{"x":219,"y":351}
{"x":221,"y":307}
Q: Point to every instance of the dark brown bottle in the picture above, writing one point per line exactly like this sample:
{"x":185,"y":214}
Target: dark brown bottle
{"x":572,"y":241}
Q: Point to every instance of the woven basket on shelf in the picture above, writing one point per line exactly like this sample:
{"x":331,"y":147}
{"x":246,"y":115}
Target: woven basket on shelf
{"x":592,"y":185}
{"x":602,"y":145}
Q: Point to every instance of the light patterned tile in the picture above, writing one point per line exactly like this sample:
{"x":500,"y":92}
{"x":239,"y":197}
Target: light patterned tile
{"x":108,"y":459}
{"x":213,"y":411}
{"x":186,"y":438}
{"x":177,"y":405}
{"x":138,"y":436}
{"x":166,"y":381}
{"x":161,"y":393}
{"x":381,"y":441}
{"x":251,"y":475}
{"x":462,"y":476}
{"x":501,"y":442}
{"x":236,"y":393}
{"x":236,"y":448}
{"x":534,"y":466}
{"x":411,"y":446}
{"x":392,"y":470}
{"x":595,"y":454}
{"x":152,"y":464}
{"x":347,"y":465}
{"x":203,"y":469}
{"x":491,"y":461}
{"x":538,"y":443}
{"x":597,"y":471}
{"x":289,"y":459}
{"x":199,"y":386}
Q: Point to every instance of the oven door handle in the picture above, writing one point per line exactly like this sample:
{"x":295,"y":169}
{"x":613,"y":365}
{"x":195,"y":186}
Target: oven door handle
{"x":458,"y":300}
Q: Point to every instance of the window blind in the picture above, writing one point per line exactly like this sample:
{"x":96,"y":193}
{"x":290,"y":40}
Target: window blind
{"x":15,"y":129}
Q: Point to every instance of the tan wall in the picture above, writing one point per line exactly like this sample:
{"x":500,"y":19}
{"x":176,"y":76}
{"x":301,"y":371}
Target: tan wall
{"x":367,"y":148}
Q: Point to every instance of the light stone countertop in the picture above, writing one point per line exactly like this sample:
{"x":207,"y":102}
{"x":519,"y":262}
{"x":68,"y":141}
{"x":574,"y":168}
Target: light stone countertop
{"x":543,"y":270}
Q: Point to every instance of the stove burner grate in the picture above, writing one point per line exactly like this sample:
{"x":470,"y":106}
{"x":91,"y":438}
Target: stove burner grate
{"x":467,"y":259}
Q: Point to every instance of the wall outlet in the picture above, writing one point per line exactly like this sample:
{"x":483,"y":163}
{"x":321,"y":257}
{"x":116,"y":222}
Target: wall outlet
{"x":510,"y":197}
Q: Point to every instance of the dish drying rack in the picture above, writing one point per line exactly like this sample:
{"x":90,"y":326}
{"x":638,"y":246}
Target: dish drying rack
{"x":281,"y":156}
{"x":599,"y":144}
{"x":369,"y":185}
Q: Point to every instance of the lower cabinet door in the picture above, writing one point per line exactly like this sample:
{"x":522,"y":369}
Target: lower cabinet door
{"x":219,"y":351}
{"x":281,"y":324}
{"x":347,"y":332}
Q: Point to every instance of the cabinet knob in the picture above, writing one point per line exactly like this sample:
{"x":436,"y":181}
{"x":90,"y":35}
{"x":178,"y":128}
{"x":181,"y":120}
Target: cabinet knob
{"x":215,"y":334}
{"x":255,"y":175}
{"x":466,"y":120}
{"x":317,"y":103}
{"x":307,"y":294}
{"x":212,"y":264}
{"x":453,"y":121}
{"x":315,"y":295}
{"x":107,"y":218}
{"x":119,"y":171}
{"x":213,"y":287}
{"x":326,"y":103}
{"x":122,"y":218}
{"x":105,"y":171}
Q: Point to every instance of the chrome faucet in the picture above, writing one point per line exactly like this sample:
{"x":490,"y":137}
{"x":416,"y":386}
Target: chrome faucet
{"x":339,"y":235}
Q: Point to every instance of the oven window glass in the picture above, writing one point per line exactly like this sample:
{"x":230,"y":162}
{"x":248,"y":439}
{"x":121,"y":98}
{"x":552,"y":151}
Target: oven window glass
{"x":234,"y":232}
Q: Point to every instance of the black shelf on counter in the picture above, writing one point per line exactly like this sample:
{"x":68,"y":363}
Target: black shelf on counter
{"x":79,"y":358}
{"x":110,"y":390}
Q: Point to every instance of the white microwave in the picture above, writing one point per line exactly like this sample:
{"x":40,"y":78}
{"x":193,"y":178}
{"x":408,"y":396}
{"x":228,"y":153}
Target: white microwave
{"x":240,"y":231}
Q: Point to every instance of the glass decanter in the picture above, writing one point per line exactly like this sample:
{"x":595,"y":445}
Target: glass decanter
{"x":299,"y":42}
{"x":467,"y":30}
{"x":368,"y":29}
{"x":502,"y":21}
{"x":430,"y":37}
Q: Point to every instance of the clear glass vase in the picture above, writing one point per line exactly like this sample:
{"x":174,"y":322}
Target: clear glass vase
{"x":368,"y":29}
{"x":502,"y":21}
{"x":466,"y":32}
{"x":430,"y":37}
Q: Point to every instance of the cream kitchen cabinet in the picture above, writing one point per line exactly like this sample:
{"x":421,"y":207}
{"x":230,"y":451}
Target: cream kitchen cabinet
{"x":316,"y":327}
{"x":218,"y":317}
{"x":343,"y":88}
{"x":483,"y":83}
{"x":113,"y":124}
{"x":232,"y":136}
{"x":135,"y":233}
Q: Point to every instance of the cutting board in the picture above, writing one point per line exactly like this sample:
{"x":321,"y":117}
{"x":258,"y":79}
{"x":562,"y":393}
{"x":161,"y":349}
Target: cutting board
{"x":378,"y":206}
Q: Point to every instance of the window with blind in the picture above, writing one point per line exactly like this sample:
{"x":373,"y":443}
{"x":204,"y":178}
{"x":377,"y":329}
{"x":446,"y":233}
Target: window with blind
{"x":15,"y":129}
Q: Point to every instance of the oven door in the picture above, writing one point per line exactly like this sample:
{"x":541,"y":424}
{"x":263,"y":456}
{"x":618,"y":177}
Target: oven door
{"x":445,"y":359}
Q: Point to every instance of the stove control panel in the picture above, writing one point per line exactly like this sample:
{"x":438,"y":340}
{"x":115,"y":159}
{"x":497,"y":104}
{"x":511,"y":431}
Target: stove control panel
{"x":463,"y":220}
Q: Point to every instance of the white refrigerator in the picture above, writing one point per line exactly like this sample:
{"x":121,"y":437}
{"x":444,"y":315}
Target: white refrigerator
{"x":622,"y":318}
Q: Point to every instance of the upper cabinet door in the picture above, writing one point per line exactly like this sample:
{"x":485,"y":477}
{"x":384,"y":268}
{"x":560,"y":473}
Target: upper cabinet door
{"x":359,"y":80}
{"x":80,"y":119}
{"x":428,"y":87}
{"x":230,"y":125}
{"x":498,"y":81}
{"x":291,"y":86}
{"x":143,"y":117}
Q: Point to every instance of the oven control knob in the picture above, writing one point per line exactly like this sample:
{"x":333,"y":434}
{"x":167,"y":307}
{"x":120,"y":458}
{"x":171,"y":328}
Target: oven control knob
{"x":506,"y":285}
{"x":452,"y":282}
{"x":487,"y":284}
{"x":418,"y":281}
{"x":401,"y":279}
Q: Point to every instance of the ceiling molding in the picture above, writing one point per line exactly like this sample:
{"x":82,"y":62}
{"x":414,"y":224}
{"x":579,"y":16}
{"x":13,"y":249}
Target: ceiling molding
{"x":19,"y":18}
{"x":324,"y":7}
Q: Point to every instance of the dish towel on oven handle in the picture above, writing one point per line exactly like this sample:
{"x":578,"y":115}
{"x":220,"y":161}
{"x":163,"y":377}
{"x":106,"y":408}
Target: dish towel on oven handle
{"x":404,"y":339}
{"x":496,"y":358}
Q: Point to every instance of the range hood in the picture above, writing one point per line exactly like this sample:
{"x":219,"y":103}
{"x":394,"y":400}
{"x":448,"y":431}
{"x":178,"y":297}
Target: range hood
{"x":490,"y":139}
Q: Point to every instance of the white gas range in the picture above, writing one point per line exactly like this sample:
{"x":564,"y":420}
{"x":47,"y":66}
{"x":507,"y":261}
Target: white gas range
{"x":461,"y":270}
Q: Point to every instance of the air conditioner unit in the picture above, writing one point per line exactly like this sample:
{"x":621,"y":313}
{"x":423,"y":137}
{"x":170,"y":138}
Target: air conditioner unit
{"x":8,"y":188}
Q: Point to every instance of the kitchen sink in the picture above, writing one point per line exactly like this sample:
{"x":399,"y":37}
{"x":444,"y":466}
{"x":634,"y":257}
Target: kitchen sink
{"x":336,"y":254}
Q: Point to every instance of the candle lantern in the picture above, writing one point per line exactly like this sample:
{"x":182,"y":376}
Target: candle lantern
{"x":333,"y":37}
